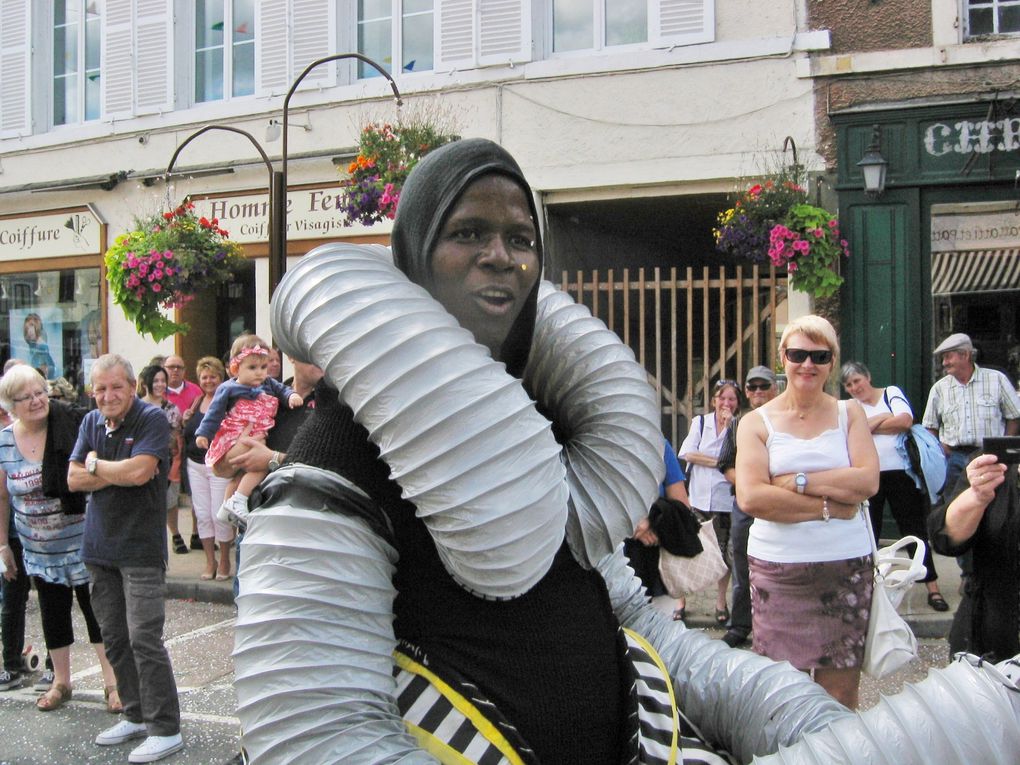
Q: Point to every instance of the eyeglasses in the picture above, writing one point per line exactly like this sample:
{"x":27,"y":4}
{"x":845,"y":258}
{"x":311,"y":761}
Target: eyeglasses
{"x":174,"y":366}
{"x":758,"y":386}
{"x":30,"y":397}
{"x":723,"y":383}
{"x":799,"y":356}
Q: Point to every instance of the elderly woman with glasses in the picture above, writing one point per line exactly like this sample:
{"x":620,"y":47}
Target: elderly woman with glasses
{"x":49,"y":521}
{"x":709,"y":490}
{"x":805,"y":463}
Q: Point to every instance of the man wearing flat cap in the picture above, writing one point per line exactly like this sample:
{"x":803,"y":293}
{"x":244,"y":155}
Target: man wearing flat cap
{"x":968,"y":405}
{"x":760,"y":388}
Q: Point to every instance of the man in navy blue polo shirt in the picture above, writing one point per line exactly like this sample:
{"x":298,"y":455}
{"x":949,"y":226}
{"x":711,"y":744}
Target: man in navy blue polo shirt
{"x":122,"y":458}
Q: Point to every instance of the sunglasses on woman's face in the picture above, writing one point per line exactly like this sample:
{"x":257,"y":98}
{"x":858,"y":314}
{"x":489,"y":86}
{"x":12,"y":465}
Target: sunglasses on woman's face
{"x":758,"y":386}
{"x":799,"y":356}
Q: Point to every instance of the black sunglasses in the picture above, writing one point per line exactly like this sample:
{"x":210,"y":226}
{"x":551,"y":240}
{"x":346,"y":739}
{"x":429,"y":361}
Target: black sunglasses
{"x":799,"y":356}
{"x":758,"y":386}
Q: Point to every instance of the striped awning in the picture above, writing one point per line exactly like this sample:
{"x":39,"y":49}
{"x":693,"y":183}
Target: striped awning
{"x":959,"y":273}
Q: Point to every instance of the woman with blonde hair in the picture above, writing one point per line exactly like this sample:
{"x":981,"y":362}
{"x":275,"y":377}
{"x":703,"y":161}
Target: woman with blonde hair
{"x":805,"y":463}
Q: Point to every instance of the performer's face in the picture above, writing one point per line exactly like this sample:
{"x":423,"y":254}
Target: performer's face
{"x":485,"y":263}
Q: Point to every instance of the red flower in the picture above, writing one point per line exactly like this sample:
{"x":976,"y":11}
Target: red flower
{"x":168,"y":215}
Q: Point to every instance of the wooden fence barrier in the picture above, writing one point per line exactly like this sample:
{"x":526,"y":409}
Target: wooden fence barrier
{"x":687,"y":326}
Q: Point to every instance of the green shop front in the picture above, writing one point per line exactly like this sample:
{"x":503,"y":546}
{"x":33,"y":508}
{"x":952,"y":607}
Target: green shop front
{"x":938,"y":250}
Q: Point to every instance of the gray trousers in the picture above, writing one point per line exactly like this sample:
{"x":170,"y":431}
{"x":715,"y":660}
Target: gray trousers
{"x":740,"y":613}
{"x":128,"y":602}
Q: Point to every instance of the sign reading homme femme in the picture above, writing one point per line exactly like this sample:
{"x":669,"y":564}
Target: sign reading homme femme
{"x":311,"y":214}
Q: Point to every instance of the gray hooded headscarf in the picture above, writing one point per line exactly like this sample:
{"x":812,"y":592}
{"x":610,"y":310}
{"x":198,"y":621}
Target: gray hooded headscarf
{"x":428,"y":197}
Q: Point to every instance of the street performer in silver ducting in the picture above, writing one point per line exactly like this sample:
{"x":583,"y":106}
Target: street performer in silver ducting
{"x":437,"y":574}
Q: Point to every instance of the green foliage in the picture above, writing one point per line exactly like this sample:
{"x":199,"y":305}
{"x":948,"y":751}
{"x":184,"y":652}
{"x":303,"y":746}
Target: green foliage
{"x":163,"y":262}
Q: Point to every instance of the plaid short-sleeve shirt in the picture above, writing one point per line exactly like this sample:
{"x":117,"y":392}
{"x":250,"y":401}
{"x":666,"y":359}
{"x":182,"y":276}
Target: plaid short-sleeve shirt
{"x":965,"y":413}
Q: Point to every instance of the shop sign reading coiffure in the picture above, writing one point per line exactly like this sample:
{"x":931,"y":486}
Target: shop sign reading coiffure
{"x":49,"y":234}
{"x":311,"y":214}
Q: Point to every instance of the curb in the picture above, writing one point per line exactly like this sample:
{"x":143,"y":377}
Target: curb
{"x":200,"y":592}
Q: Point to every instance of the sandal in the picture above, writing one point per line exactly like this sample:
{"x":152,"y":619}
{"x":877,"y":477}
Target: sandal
{"x":936,"y":601}
{"x":196,"y":543}
{"x":54,"y":698}
{"x":113,"y":705}
{"x":179,"y":546}
{"x":206,"y":577}
{"x":680,"y":614}
{"x":722,"y":615}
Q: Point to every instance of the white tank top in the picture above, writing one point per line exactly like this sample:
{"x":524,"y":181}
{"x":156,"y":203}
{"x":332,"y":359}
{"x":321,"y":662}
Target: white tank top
{"x":808,"y":541}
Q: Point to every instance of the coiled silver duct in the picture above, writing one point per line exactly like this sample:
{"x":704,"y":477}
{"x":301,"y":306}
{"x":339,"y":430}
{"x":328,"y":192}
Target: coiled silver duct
{"x":462,"y":438}
{"x":960,"y":714}
{"x":314,"y":632}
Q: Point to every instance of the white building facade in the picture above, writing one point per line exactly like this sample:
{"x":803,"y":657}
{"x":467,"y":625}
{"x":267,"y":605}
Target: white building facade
{"x":642,"y":108}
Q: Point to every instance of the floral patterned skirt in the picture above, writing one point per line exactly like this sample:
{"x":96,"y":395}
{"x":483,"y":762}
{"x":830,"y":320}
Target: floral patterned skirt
{"x":813,"y":615}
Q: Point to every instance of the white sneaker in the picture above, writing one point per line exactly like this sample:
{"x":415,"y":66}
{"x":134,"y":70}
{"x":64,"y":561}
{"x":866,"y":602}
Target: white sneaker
{"x":234,"y":510}
{"x":123,"y":731}
{"x":156,"y":748}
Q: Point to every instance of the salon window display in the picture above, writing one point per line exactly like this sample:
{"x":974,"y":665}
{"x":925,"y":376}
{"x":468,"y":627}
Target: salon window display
{"x":51,"y":321}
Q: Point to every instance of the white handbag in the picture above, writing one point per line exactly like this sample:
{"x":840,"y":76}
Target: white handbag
{"x":891,"y":643}
{"x":681,"y":575}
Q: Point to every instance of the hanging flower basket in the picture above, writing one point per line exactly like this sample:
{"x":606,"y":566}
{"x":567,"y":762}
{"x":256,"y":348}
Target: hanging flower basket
{"x":807,"y":242}
{"x":386,"y":155}
{"x":773,"y":222}
{"x":164,"y":262}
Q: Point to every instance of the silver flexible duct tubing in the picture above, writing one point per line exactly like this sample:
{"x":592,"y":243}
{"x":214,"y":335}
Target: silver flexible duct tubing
{"x":960,"y":714}
{"x":586,"y":378}
{"x":313,"y":644}
{"x":461,"y":437}
{"x":314,"y":631}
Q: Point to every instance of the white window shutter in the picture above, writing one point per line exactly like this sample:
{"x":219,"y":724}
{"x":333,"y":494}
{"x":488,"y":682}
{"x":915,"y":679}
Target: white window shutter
{"x":312,"y":25}
{"x":455,"y":35}
{"x":117,"y":68}
{"x":681,"y":22}
{"x":154,"y":56}
{"x":15,"y":104}
{"x":271,"y":49}
{"x":504,"y":32}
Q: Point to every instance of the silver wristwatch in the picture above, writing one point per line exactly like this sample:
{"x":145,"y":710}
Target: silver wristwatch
{"x":274,"y":462}
{"x":800,"y":481}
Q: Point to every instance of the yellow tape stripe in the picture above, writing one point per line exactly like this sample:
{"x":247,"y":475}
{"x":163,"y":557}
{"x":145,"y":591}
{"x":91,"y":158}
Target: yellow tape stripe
{"x":465,"y":707}
{"x":436,"y":747}
{"x":674,"y":744}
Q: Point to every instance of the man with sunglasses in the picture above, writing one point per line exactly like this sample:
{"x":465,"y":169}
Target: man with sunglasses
{"x":760,"y":388}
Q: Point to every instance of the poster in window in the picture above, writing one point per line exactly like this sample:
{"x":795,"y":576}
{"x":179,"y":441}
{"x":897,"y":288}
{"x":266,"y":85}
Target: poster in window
{"x":37,"y":339}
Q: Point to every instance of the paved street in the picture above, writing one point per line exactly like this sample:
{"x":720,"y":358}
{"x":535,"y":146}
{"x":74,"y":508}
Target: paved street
{"x":199,"y":637}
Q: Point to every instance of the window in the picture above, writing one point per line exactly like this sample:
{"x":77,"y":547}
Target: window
{"x":409,"y":40}
{"x":992,"y":17}
{"x":595,"y":24}
{"x":76,"y":74}
{"x":224,"y":49}
{"x":53,"y":321}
